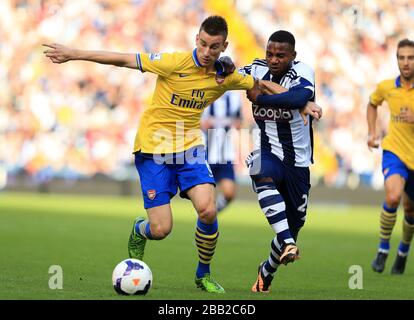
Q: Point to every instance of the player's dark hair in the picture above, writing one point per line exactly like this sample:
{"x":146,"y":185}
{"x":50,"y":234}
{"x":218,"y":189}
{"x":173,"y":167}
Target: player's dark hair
{"x":283,"y":36}
{"x":405,"y":43}
{"x":214,"y":26}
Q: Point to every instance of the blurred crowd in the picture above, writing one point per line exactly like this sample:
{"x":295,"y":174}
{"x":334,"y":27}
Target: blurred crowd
{"x":79,"y":119}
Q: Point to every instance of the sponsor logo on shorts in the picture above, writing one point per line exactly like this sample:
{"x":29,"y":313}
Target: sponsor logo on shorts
{"x":151,"y":194}
{"x":210,"y":173}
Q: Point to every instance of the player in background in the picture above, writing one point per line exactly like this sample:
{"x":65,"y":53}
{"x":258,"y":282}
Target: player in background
{"x":279,"y":167}
{"x":397,"y":157}
{"x":218,"y":122}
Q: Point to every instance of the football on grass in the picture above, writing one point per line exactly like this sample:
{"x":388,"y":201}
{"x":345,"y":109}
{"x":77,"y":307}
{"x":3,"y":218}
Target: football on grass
{"x":132,"y":277}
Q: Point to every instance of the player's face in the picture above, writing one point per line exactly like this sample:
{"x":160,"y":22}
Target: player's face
{"x":279,"y":56}
{"x":209,"y":48}
{"x":405,"y":56}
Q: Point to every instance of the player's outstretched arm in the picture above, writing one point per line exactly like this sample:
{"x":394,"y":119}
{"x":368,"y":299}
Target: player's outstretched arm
{"x":372,"y":141}
{"x":311,"y":108}
{"x":276,"y":96}
{"x":58,"y":53}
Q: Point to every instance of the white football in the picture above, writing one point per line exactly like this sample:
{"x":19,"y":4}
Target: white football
{"x":132,"y":277}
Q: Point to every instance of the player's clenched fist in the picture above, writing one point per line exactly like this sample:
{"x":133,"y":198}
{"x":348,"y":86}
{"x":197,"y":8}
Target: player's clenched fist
{"x":311,"y":109}
{"x":372,"y":141}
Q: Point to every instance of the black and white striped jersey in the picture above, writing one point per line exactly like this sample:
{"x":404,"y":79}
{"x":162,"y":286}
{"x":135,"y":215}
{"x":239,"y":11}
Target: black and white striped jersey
{"x":222,"y":112}
{"x":282,"y":131}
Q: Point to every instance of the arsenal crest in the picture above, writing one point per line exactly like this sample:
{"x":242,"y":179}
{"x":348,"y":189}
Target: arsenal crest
{"x":151,"y":194}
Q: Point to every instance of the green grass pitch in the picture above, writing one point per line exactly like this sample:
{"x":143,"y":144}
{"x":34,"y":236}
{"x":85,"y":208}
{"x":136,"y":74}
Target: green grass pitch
{"x":87,"y":237}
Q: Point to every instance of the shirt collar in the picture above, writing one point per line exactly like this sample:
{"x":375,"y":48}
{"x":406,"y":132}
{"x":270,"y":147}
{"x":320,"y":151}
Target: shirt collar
{"x":398,"y":82}
{"x":197,"y":63}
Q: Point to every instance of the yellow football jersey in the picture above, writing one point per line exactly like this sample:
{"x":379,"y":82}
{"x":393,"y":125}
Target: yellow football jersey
{"x":400,"y":136}
{"x":171,"y":123}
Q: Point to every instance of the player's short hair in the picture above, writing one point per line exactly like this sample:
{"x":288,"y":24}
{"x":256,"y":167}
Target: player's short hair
{"x":283,"y":36}
{"x":405,"y":43}
{"x":214,"y":26}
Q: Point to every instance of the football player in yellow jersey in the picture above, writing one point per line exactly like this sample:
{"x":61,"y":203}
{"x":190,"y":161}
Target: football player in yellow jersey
{"x":398,"y":155}
{"x":168,"y":147}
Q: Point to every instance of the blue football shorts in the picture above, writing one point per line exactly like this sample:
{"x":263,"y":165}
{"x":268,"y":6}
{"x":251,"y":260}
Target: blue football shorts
{"x":222,"y":171}
{"x":293,"y":183}
{"x":162,"y":175}
{"x":391,"y":164}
